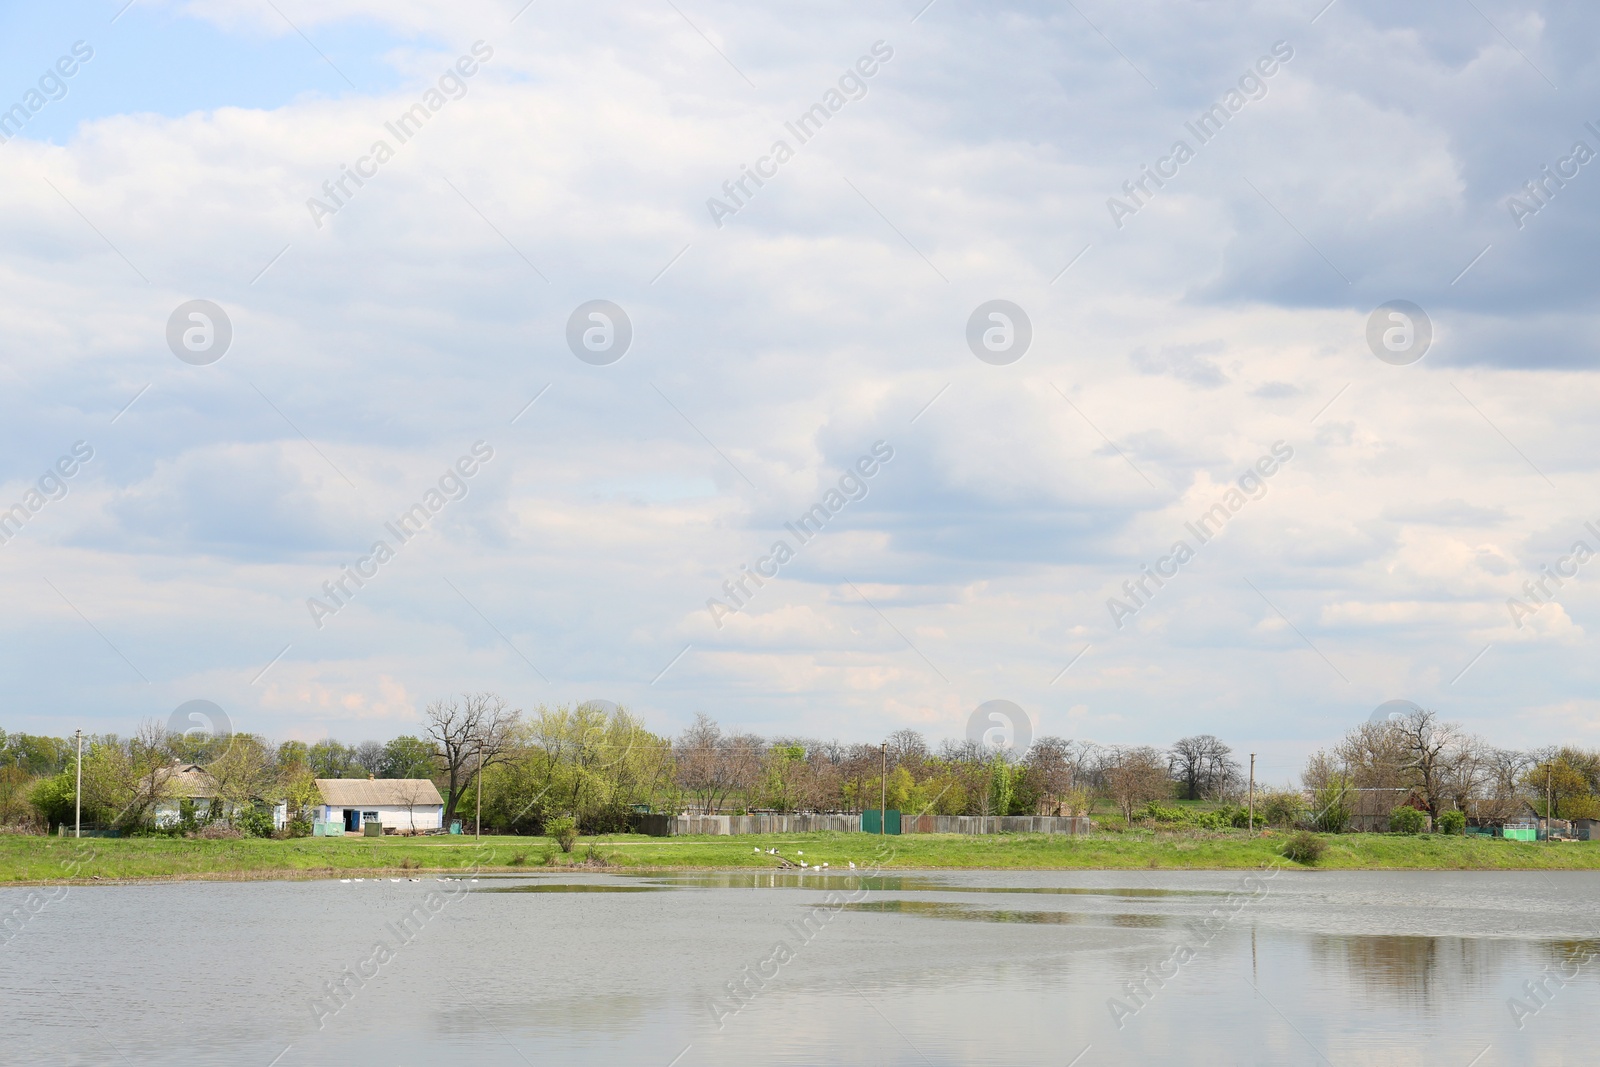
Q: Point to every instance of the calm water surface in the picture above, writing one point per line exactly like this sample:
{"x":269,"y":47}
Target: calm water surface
{"x":1080,"y":968}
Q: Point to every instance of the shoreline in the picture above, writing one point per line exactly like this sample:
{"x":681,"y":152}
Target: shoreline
{"x":42,"y":861}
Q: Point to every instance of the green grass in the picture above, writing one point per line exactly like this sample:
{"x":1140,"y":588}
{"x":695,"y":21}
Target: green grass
{"x":51,"y":859}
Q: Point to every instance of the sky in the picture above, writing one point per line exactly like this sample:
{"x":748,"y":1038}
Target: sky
{"x":1226,"y":239}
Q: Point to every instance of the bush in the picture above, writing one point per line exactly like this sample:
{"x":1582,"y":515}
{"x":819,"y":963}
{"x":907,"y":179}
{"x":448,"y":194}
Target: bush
{"x":1304,"y":847}
{"x":1407,"y":820}
{"x":1452,"y":822}
{"x":1279,"y":809}
{"x":1223,"y":818}
{"x":254,"y":823}
{"x":564,"y":830}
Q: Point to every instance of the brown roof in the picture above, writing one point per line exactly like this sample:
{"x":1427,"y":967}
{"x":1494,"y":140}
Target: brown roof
{"x":379,"y":792}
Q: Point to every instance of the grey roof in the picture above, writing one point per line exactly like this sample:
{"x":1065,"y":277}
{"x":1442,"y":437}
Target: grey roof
{"x":184,"y":780}
{"x":379,"y":792}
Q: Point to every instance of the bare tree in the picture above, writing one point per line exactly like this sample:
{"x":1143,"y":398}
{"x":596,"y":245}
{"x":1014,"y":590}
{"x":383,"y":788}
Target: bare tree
{"x":468,"y":733}
{"x":370,"y":756}
{"x":1048,"y":765}
{"x":1134,"y":777}
{"x":1426,"y":746}
{"x":702,"y":766}
{"x":411,"y":792}
{"x":1373,"y":756}
{"x":908,"y":746}
{"x":1202,"y":764}
{"x":744,"y":755}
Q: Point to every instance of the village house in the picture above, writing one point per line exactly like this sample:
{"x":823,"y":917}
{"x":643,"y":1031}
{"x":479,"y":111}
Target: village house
{"x":401,"y":805}
{"x":184,"y":784}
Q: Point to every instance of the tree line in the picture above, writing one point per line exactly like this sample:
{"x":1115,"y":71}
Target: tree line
{"x":600,"y":766}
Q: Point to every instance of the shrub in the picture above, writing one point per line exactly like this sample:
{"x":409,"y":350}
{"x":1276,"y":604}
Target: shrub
{"x":1304,"y":847}
{"x":518,"y":860}
{"x":410,"y":863}
{"x":1331,"y":811}
{"x":1221,"y":819}
{"x":1407,"y":820}
{"x":254,"y":823}
{"x":564,"y":830}
{"x":1452,"y":822}
{"x":1279,"y":809}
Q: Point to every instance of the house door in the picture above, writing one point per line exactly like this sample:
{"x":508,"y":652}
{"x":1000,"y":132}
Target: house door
{"x":352,"y":820}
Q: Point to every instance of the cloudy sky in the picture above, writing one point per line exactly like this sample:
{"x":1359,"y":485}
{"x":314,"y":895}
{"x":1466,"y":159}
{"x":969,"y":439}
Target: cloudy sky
{"x":1171,"y":336}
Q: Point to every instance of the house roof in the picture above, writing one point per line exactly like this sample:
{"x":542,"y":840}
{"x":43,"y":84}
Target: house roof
{"x":186,"y":780}
{"x":379,"y":792}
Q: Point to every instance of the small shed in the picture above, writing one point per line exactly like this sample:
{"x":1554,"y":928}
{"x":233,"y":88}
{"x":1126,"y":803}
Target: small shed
{"x":401,"y":805}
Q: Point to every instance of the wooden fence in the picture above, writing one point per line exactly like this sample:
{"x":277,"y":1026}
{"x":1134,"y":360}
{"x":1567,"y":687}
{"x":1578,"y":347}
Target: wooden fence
{"x":723,"y":825}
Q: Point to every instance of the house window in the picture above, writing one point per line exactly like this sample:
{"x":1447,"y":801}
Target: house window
{"x":369,"y":816}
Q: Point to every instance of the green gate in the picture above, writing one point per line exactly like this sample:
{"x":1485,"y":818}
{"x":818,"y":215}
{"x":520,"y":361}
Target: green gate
{"x":872,"y":821}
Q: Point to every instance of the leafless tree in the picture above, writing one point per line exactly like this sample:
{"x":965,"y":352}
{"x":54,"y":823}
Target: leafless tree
{"x":1049,"y":765}
{"x":1202,"y":764}
{"x":1373,"y":756}
{"x":463,"y":730}
{"x":703,"y":767}
{"x":1427,"y":748}
{"x":1467,"y":770}
{"x":745,"y":755}
{"x":1134,"y":777}
{"x":411,"y":792}
{"x":907,"y":747}
{"x":370,"y":757}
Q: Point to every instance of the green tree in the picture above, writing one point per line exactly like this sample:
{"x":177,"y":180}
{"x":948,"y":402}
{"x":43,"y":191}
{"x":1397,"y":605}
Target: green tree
{"x":1561,"y":779}
{"x":408,"y":757}
{"x":1330,"y":807}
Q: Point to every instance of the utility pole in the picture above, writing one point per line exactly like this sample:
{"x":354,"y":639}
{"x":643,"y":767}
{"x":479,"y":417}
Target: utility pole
{"x":883,"y":790}
{"x":1252,"y":792}
{"x":77,"y":796}
{"x":477,"y":828}
{"x":1549,"y":795}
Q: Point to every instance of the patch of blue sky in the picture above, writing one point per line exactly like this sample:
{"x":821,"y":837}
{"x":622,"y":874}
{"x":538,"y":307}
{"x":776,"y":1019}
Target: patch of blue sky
{"x":157,"y":60}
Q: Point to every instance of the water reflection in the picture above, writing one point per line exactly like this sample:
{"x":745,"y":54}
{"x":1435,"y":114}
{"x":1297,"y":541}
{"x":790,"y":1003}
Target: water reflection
{"x":1416,"y":969}
{"x":936,"y":909}
{"x":848,"y":881}
{"x":580,"y":887}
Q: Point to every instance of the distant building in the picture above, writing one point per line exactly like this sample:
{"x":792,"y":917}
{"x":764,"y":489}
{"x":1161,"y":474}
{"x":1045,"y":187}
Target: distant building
{"x":400,"y":804}
{"x":184,"y":783}
{"x":1370,"y":807}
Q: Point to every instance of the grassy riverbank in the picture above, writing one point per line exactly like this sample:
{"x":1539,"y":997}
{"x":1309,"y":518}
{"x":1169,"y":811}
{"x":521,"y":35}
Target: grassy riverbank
{"x":51,"y":859}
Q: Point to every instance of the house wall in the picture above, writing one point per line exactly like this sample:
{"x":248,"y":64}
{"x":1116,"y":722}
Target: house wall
{"x":170,"y":812}
{"x":422,"y":817}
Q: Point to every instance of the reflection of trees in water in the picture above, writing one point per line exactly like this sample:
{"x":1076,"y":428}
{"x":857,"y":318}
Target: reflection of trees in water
{"x":1423,"y":970}
{"x":1577,"y":953}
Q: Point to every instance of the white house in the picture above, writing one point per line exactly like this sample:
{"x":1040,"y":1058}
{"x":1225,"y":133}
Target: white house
{"x":178,"y":783}
{"x":401,"y":804}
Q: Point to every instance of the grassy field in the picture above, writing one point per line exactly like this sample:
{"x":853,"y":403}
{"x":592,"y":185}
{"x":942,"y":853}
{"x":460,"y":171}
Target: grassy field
{"x":51,"y":859}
